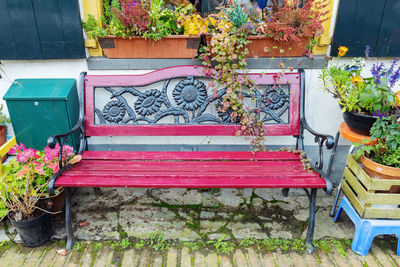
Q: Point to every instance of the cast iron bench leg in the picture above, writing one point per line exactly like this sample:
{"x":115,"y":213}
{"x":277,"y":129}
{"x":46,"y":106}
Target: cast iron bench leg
{"x":311,"y":220}
{"x":68,"y":225}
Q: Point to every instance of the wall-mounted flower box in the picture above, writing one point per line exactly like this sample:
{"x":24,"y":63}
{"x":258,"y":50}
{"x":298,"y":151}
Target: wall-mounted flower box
{"x":263,"y":46}
{"x":173,"y":46}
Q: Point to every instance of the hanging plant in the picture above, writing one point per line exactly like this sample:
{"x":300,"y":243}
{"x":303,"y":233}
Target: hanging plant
{"x":225,"y":59}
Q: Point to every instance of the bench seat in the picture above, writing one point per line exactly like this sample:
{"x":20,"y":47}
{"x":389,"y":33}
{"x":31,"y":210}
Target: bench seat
{"x":219,"y":169}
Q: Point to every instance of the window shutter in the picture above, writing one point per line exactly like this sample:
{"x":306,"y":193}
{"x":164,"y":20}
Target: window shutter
{"x":37,"y":29}
{"x":368,"y":22}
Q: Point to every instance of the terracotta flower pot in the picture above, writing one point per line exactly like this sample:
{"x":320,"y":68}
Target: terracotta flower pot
{"x":376,"y":170}
{"x":264,"y":46}
{"x":173,"y":46}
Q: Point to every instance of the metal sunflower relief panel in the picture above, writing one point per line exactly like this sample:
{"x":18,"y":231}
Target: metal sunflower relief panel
{"x":187,"y":100}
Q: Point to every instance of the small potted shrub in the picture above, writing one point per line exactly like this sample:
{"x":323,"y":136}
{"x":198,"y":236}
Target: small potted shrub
{"x":282,"y":31}
{"x":24,"y":192}
{"x":362,"y":99}
{"x":381,"y":159}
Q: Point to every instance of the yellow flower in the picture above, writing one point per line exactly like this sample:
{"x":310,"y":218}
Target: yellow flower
{"x":397,"y":96}
{"x":356,"y":79}
{"x":342,"y":51}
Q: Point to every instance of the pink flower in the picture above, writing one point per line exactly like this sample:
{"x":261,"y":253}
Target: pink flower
{"x":27,"y":155}
{"x":68,"y":151}
{"x":16,"y":149}
{"x":54,"y":166}
{"x":22,"y":172}
{"x":39,"y":169}
{"x":21,"y":157}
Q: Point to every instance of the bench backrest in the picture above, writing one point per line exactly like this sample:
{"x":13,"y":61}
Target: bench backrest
{"x":175,"y":101}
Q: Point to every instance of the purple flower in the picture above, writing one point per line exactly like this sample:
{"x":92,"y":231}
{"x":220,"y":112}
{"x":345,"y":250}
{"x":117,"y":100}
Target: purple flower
{"x":379,"y":114}
{"x":376,"y":72}
{"x":367,"y":49}
{"x":396,"y":75}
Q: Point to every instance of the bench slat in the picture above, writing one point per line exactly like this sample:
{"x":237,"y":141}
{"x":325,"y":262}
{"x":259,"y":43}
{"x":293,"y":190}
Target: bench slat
{"x":198,"y":155}
{"x":149,"y":165}
{"x":191,"y":182}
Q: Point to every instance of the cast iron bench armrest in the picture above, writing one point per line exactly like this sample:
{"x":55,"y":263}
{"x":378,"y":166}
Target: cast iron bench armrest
{"x":321,"y":139}
{"x":61,"y":139}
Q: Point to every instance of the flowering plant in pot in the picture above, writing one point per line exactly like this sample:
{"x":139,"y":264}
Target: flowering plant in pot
{"x":143,"y":29}
{"x":381,"y":157}
{"x":362,"y":98}
{"x":288,"y":30}
{"x":293,"y":27}
{"x":23,"y":188}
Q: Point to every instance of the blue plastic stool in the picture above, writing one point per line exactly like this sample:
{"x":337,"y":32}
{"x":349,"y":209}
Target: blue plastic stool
{"x":367,"y":229}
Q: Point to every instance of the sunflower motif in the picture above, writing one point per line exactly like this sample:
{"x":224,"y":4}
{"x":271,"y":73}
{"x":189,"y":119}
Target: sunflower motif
{"x":275,"y":98}
{"x":190,"y":93}
{"x":114,"y":111}
{"x":149,"y":102}
{"x":226,"y":116}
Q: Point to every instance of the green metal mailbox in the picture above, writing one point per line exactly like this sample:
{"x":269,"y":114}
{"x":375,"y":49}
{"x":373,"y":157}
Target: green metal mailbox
{"x":39,"y":108}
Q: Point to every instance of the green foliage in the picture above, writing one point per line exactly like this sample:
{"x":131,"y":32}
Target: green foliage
{"x":247,"y":242}
{"x":386,"y":151}
{"x":92,"y":27}
{"x":24,"y":179}
{"x":140,"y":244}
{"x":3,"y":117}
{"x":125,"y":243}
{"x":79,"y":247}
{"x":114,"y":245}
{"x":222,"y":246}
{"x":163,"y":21}
{"x":157,"y":242}
{"x":338,"y":82}
{"x":236,"y":15}
{"x":97,"y":246}
{"x":361,"y":94}
{"x":225,"y":58}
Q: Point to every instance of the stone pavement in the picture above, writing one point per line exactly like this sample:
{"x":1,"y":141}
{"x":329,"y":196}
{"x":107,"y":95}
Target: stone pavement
{"x":105,"y":256}
{"x":181,"y":227}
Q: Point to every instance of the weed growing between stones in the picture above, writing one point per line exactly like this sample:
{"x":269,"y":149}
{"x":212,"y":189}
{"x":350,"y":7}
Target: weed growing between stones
{"x":95,"y":248}
{"x":157,"y":243}
{"x":79,"y":247}
{"x":326,"y":245}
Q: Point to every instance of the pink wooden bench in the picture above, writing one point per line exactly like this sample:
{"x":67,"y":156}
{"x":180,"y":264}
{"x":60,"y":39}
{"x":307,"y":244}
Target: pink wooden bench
{"x":121,"y":105}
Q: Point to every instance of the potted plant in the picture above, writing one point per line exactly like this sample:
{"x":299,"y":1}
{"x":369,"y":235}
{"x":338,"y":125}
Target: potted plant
{"x":285,"y":31}
{"x":385,"y":152}
{"x":23,"y":191}
{"x":291,"y":29}
{"x":381,"y":159}
{"x":362,"y":99}
{"x":143,"y":29}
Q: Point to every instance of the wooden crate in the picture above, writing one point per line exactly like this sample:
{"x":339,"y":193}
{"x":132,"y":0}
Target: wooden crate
{"x":361,"y":190}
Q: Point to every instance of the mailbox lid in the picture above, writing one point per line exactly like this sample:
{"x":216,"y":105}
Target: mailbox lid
{"x":40,"y":89}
